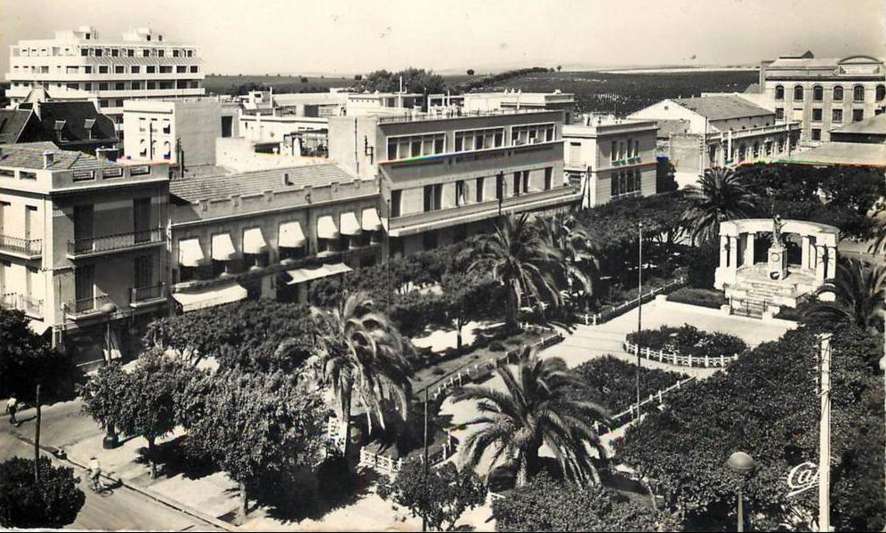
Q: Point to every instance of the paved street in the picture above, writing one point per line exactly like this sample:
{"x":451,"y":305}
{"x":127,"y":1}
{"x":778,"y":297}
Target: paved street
{"x":124,"y":508}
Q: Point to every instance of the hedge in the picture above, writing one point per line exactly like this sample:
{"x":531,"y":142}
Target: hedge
{"x":611,"y":382}
{"x":701,"y":297}
{"x":688,"y":340}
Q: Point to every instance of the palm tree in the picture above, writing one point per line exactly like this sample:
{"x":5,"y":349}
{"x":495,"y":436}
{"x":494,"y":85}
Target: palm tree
{"x":859,"y":291}
{"x":721,"y":194}
{"x":536,"y":409}
{"x":520,"y":260}
{"x":359,"y":351}
{"x":580,"y":266}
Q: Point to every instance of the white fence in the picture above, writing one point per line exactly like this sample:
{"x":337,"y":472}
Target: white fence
{"x":677,"y":359}
{"x":624,"y":417}
{"x":612,"y":312}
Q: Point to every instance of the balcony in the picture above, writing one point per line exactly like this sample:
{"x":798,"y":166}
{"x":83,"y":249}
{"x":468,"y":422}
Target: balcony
{"x":145,"y":296}
{"x":86,"y":307}
{"x":28,"y":248}
{"x":119,"y":242}
{"x":32,"y":307}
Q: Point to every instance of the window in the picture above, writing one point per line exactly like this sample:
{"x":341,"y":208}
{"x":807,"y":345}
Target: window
{"x":433,"y":197}
{"x":780,"y":145}
{"x":838,"y":93}
{"x":857,"y":115}
{"x":167,"y":126}
{"x":87,"y":69}
{"x":624,"y":182}
{"x":396,"y":198}
{"x":768,"y":147}
{"x":613,"y":154}
{"x":175,"y":53}
{"x":549,"y":134}
{"x":135,"y":69}
{"x":817,"y":93}
{"x":152,"y":85}
{"x":549,"y":178}
{"x":190,"y":54}
{"x":881,"y":92}
{"x":115,"y":52}
{"x":460,"y":193}
{"x":529,"y":134}
{"x":798,"y":93}
{"x":779,"y":113}
{"x":516,"y":182}
{"x":103,"y":69}
{"x":479,"y":139}
{"x":636,"y":148}
{"x":98,"y":52}
{"x":415,"y":146}
{"x":120,"y":86}
{"x":146,"y":53}
{"x":25,"y":175}
{"x":73,"y":86}
{"x":837,"y":115}
{"x":6,"y":173}
{"x":136,"y":85}
{"x":150,"y":69}
{"x":500,"y":186}
{"x":858,"y":93}
{"x":103,"y":86}
{"x":84,"y":52}
{"x":479,"y":192}
{"x":130,"y":52}
{"x":816,"y":114}
{"x":181,"y":69}
{"x":742,"y":152}
{"x":165,"y":69}
{"x":193,"y":69}
{"x":816,"y":134}
{"x":160,"y":53}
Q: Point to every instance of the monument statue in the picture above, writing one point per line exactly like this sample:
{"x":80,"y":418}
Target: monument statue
{"x":777,"y":224}
{"x":778,"y":257}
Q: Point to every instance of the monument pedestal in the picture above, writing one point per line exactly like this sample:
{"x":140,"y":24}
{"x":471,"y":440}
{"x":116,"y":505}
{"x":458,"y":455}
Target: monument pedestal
{"x":778,"y":262}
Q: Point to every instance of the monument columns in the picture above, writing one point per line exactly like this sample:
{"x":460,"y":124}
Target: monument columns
{"x":733,"y":253}
{"x":804,"y":249}
{"x":832,"y":262}
{"x":749,"y":239}
{"x":724,"y":250}
{"x":820,"y":262}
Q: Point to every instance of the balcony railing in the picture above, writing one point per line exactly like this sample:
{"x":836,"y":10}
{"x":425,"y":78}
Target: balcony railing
{"x":146,"y":294}
{"x":453,"y":113}
{"x":87,"y":306}
{"x":120,"y":241}
{"x":29,"y":247}
{"x":30,"y":306}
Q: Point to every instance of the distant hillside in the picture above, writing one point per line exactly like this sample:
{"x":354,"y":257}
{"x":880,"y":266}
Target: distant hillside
{"x":227,"y":84}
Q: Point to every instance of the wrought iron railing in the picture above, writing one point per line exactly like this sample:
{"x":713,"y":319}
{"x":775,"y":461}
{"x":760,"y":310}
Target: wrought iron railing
{"x":119,"y":241}
{"x":92,"y":304}
{"x":27,"y":304}
{"x":143,"y":294}
{"x":30,"y":247}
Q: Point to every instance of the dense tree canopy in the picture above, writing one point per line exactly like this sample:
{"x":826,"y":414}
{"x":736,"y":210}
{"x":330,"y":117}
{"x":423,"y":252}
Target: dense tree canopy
{"x":52,"y":503}
{"x":767,"y":406}
{"x":27,"y":359}
{"x":415,"y":80}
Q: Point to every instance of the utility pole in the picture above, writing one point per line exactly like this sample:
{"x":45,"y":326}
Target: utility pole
{"x":37,"y":441}
{"x":824,"y":453}
{"x":639,"y":311}
{"x":424,"y":520}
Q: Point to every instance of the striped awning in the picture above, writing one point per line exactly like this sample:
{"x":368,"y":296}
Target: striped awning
{"x":303,"y":275}
{"x":291,"y":235}
{"x":326,"y":228}
{"x":217,"y":295}
{"x":223,"y":247}
{"x":371,"y":222}
{"x":349,"y":224}
{"x":190,"y":254}
{"x":254,"y":241}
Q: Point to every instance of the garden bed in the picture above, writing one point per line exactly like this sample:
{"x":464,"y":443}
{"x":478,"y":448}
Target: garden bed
{"x":688,"y":340}
{"x":611,"y":382}
{"x":700,"y":297}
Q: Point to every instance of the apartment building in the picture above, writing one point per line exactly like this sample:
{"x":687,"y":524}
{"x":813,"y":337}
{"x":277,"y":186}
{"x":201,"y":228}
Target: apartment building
{"x":611,"y":158}
{"x":79,"y":64}
{"x":445,"y":176}
{"x":719,"y":131}
{"x":182,"y":131}
{"x":823,"y":93}
{"x":508,"y":99}
{"x":81,"y":243}
{"x":269,"y":233}
{"x":68,"y":125}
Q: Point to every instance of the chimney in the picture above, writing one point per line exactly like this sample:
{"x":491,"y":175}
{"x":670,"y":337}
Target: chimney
{"x":286,"y":180}
{"x":48,"y":158}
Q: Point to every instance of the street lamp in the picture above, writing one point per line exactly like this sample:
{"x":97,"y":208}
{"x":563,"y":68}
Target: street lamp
{"x":110,"y":441}
{"x":639,"y":308}
{"x":742,"y":464}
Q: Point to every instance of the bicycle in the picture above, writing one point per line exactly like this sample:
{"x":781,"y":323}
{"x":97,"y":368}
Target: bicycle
{"x":97,"y":486}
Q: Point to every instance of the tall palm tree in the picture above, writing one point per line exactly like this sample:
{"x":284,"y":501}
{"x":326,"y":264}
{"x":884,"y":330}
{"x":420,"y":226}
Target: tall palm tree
{"x":536,"y":409}
{"x":721,"y":194}
{"x":859,"y":291}
{"x":520,"y":260}
{"x":579,"y":263}
{"x":360,"y":353}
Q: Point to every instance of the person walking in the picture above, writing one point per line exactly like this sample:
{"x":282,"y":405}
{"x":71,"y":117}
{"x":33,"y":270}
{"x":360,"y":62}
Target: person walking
{"x":12,"y":408}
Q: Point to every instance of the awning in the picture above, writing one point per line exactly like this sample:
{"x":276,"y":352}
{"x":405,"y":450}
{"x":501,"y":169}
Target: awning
{"x":114,"y":354}
{"x":371,"y":222}
{"x":302,"y":275}
{"x":190,"y":254}
{"x":217,"y":295}
{"x":291,"y":235}
{"x":38,"y":326}
{"x":326,"y":228}
{"x":223,"y":247}
{"x":349,"y":224}
{"x":253,"y":241}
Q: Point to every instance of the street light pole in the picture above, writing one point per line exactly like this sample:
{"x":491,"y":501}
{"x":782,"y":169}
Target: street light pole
{"x":424,"y":520}
{"x":639,"y":310}
{"x":110,"y":440}
{"x":824,"y":453}
{"x":742,"y":464}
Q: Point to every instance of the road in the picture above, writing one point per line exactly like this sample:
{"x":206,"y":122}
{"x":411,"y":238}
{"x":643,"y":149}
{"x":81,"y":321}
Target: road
{"x":124,"y":508}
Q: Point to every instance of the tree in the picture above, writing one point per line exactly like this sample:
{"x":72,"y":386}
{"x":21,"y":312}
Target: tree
{"x":414,"y":80}
{"x":440,"y":498}
{"x":521,"y":261}
{"x":52,"y":503}
{"x":859,"y":291}
{"x":463,"y":295}
{"x":27,"y":359}
{"x":251,"y":424}
{"x":538,"y":408}
{"x":546,"y":505}
{"x":358,"y":77}
{"x":559,"y":68}
{"x":470,"y":72}
{"x":578,"y":259}
{"x":721,"y":194}
{"x":360,"y":352}
{"x":102,"y":395}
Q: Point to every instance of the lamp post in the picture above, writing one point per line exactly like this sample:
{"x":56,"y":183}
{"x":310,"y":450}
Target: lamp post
{"x":639,"y":309}
{"x":110,"y":441}
{"x":883,"y":368}
{"x":742,"y":464}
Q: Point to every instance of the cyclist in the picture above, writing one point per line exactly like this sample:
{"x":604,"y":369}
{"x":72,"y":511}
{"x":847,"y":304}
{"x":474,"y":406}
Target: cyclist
{"x":95,"y":471}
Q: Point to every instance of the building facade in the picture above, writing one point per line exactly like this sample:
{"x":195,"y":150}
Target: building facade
{"x":83,"y":242}
{"x":611,"y":158}
{"x":446,"y":177}
{"x":823,"y":93}
{"x":78,"y":65}
{"x":268,"y":233}
{"x":180,"y":130}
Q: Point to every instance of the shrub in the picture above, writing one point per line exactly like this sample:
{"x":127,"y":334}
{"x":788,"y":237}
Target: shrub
{"x":496,"y":346}
{"x":334,"y":478}
{"x":611,"y":382}
{"x":438,"y":371}
{"x":702,"y":262}
{"x":688,"y":340}
{"x":52,"y":503}
{"x":701,"y":297}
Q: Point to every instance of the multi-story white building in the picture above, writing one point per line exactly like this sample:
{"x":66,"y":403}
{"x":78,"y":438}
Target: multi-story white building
{"x":78,"y":64}
{"x":611,"y":158}
{"x":823,"y":93}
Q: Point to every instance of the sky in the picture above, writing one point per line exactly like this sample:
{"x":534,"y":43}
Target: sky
{"x":358,"y":36}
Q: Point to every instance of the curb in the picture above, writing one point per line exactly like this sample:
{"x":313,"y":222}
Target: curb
{"x":143,"y":491}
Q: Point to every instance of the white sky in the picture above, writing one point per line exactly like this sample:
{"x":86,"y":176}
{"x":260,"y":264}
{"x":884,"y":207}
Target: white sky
{"x":308,"y":36}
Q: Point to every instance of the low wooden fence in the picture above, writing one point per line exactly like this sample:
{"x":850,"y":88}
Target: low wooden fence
{"x":677,"y":359}
{"x":592,"y":319}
